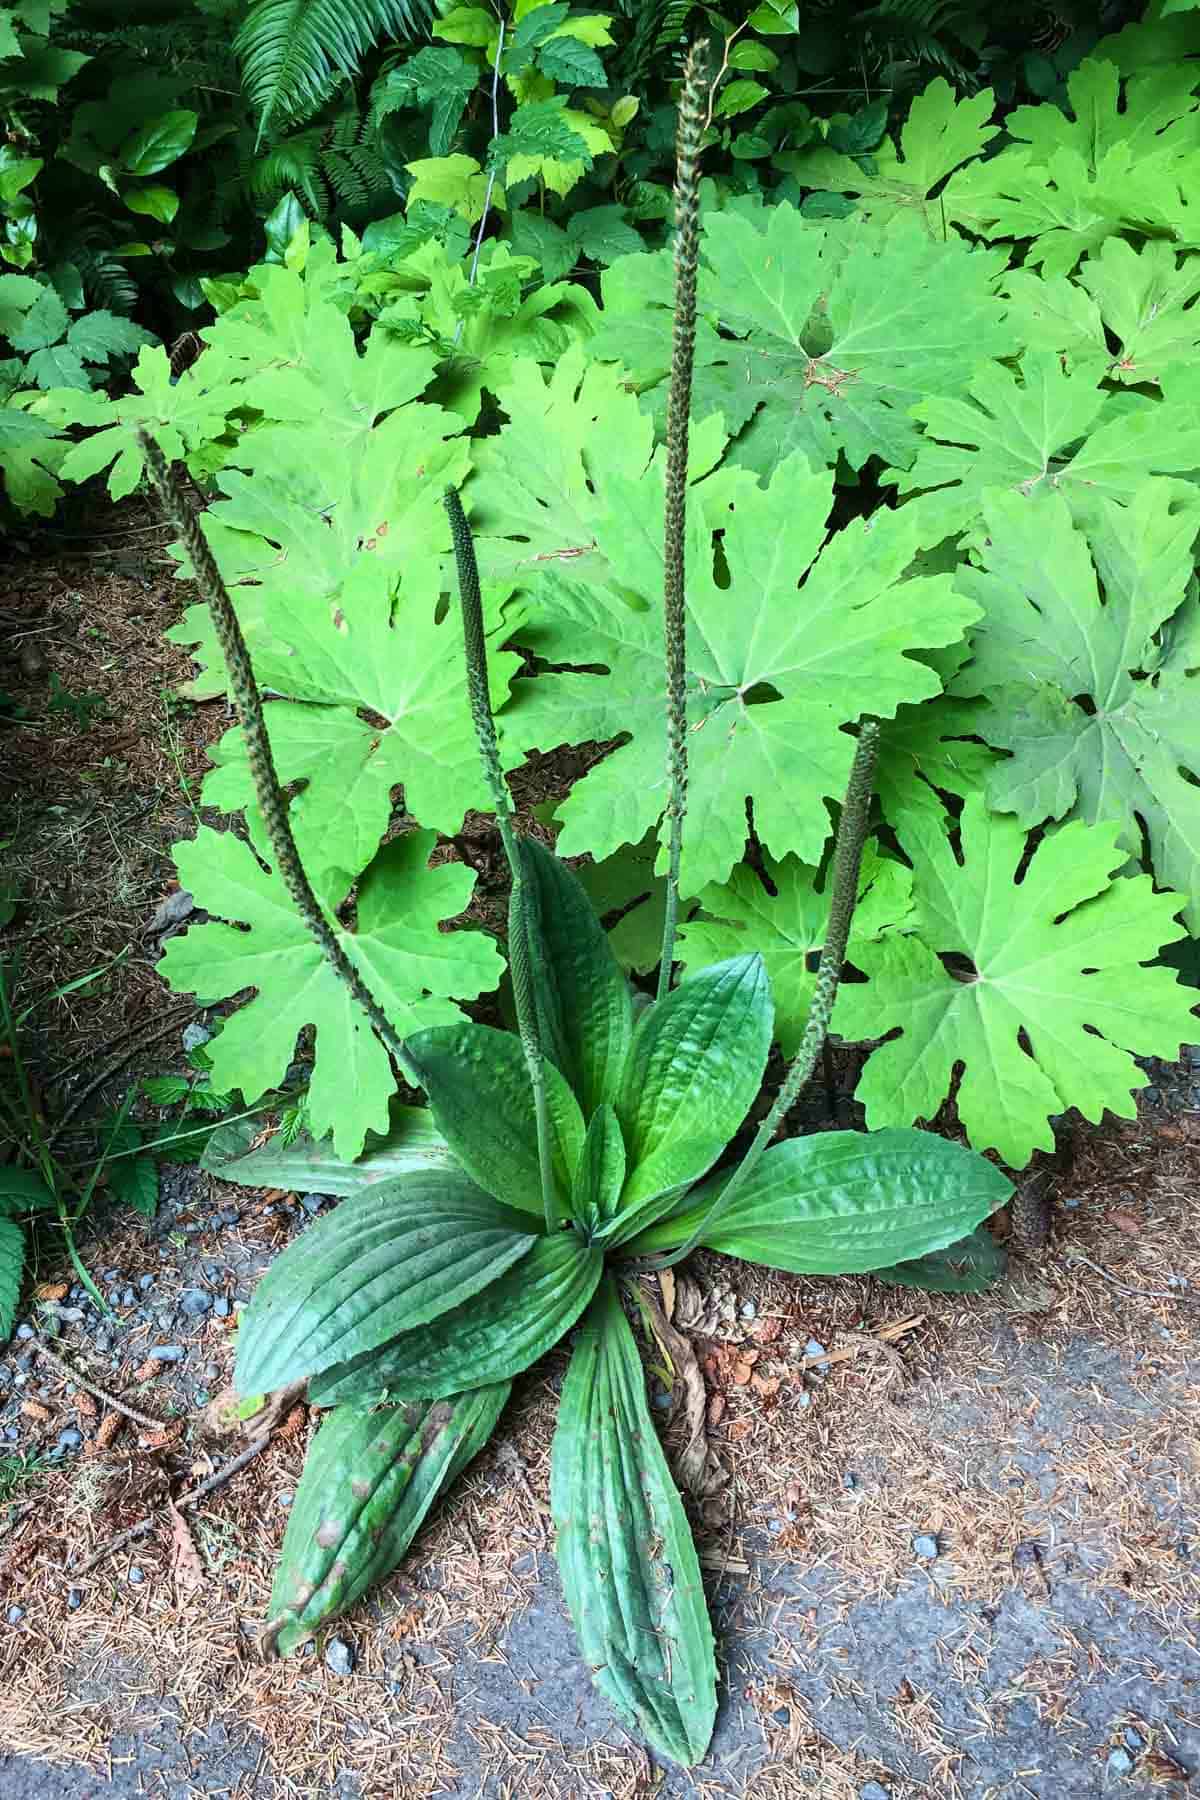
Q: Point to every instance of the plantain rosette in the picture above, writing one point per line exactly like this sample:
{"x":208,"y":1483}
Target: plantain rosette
{"x":412,"y":1306}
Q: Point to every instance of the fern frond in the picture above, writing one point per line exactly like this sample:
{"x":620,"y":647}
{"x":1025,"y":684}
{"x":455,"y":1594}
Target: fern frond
{"x":293,"y":162}
{"x":291,"y":50}
{"x":658,"y":30}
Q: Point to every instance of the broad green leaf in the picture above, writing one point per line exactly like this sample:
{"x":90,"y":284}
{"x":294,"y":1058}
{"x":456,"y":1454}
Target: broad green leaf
{"x":413,"y":1143}
{"x":1026,"y":436}
{"x":443,"y":79}
{"x":44,"y":324}
{"x":540,"y":140}
{"x":625,"y":888}
{"x":694,"y":1068}
{"x":12,"y":1264}
{"x":473,"y":25}
{"x":179,"y":414}
{"x":827,"y":338}
{"x":1143,"y":299}
{"x":1095,"y":704}
{"x":23,"y":1191}
{"x":101,"y":334}
{"x":939,"y":133}
{"x":480,"y":1096}
{"x":369,"y":1480}
{"x":495,"y":1336}
{"x":970,"y":1266}
{"x":600,"y":1173}
{"x":1047,"y":1006}
{"x":604,"y":233}
{"x":543,"y":239}
{"x":570,"y":63}
{"x":154,"y":200}
{"x":16,"y":173}
{"x":17,"y":294}
{"x":134,"y":1181}
{"x":383,"y":1261}
{"x":809,"y":644}
{"x":58,"y":366}
{"x":844,"y":1202}
{"x":158,"y":143}
{"x":408,"y":964}
{"x":630,"y":1575}
{"x":455,"y":181}
{"x":926,"y":751}
{"x":787,"y":926}
{"x":585,"y":1009}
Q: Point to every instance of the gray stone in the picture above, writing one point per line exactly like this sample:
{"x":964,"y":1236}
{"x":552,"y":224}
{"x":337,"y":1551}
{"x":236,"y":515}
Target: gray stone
{"x":195,"y":1034}
{"x":111,"y":1275}
{"x":873,"y":1790}
{"x":25,"y":1363}
{"x":11,"y":1433}
{"x":145,"y":1281}
{"x":196,"y":1303}
{"x":747,"y":1309}
{"x":1151,"y":1096}
{"x":104,"y":1343}
{"x":849,"y":1481}
{"x":286,"y":1499}
{"x":74,"y":1599}
{"x":221,"y":1307}
{"x":229,"y":1215}
{"x":1119,"y":1763}
{"x":214,"y":1271}
{"x":926,"y":1546}
{"x":782,"y":1715}
{"x":137,"y":1576}
{"x":1133,"y":1739}
{"x":339,"y":1657}
{"x":15,"y":1614}
{"x":128,"y":1297}
{"x":168,"y":1353}
{"x":70,"y":1439}
{"x":24,"y":1332}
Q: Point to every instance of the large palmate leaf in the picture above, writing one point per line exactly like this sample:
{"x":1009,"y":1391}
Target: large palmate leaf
{"x":493,"y":1337}
{"x":844,"y":1202}
{"x":479,"y":1092}
{"x":1051,"y":431}
{"x":369,"y":1480}
{"x":413,"y":1142}
{"x":1094,"y":699}
{"x":926,"y":751}
{"x":630,"y":1574}
{"x":1046,"y":1003}
{"x":787,"y":925}
{"x":1124,"y":161}
{"x":1143,"y":300}
{"x":584,"y":1004}
{"x":785,"y":647}
{"x":382,"y":1262}
{"x":939,"y":133}
{"x":408,"y":964}
{"x":694,"y":1067}
{"x":179,"y":414}
{"x":828,"y":337}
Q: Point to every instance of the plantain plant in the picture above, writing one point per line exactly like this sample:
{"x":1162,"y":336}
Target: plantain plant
{"x":563,"y":1161}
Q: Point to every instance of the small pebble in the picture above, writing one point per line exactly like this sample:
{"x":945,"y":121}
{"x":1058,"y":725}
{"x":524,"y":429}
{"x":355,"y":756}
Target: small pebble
{"x":195,"y":1034}
{"x":25,"y":1363}
{"x":286,"y":1499}
{"x":1072,"y":1205}
{"x":76,"y":1292}
{"x":925,"y":1545}
{"x":803,"y":1399}
{"x":24,"y":1332}
{"x":229,"y":1216}
{"x":111,"y":1275}
{"x":104,"y":1343}
{"x":168,"y":1353}
{"x":850,"y":1481}
{"x":775,"y":1525}
{"x":873,"y":1790}
{"x":196,"y":1303}
{"x":74,"y":1599}
{"x":1119,"y":1763}
{"x":11,"y":1433}
{"x":202,"y":1396}
{"x":70,"y":1439}
{"x":15,"y":1614}
{"x":1133,"y":1739}
{"x":137,"y":1576}
{"x":339,"y":1657}
{"x":214,"y":1271}
{"x":211,"y":1371}
{"x":145,"y":1281}
{"x":782,"y":1716}
{"x":221,"y":1307}
{"x":128,"y":1297}
{"x":747,"y":1309}
{"x":662,"y":1401}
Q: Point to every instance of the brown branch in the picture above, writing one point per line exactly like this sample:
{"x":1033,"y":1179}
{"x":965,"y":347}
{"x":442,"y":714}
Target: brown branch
{"x":91,"y":1387}
{"x":218,"y":1479}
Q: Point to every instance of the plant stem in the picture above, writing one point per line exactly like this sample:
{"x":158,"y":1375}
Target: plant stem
{"x":248,"y":702}
{"x":847,"y":860}
{"x":519,"y":948}
{"x":689,"y":134}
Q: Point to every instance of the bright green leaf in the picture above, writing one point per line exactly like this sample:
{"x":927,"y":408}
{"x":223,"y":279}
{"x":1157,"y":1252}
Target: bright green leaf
{"x":158,"y":143}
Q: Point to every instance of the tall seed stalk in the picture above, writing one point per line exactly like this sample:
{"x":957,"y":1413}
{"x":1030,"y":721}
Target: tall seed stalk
{"x":520,"y":956}
{"x":847,"y":862}
{"x":248,"y":704}
{"x":688,"y":144}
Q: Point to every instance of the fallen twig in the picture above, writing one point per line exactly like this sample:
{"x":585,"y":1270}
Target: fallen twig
{"x":869,"y":1340}
{"x":91,"y":1387}
{"x":184,"y":1504}
{"x":1137,"y":1292}
{"x":118,"y":1062}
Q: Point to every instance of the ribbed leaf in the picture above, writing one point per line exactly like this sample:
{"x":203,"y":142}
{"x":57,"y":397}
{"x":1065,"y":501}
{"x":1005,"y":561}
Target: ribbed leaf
{"x":496,"y":1335}
{"x":291,"y":50}
{"x":305,"y":1166}
{"x":601,"y":1172}
{"x":585,"y":1009}
{"x":970,"y":1266}
{"x":22,"y":1191}
{"x":694,"y":1067}
{"x":383,"y":1262}
{"x":628,"y":1564}
{"x":368,"y":1482}
{"x":482,"y":1103}
{"x":843,"y":1202}
{"x":12,"y":1262}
